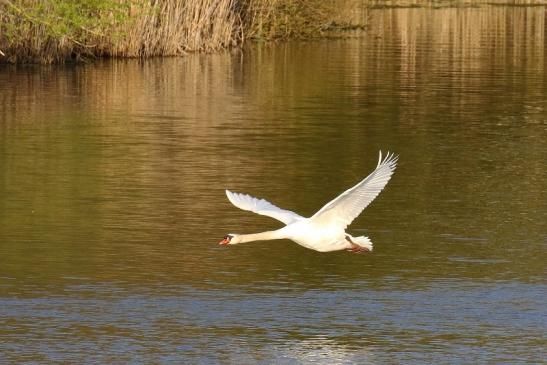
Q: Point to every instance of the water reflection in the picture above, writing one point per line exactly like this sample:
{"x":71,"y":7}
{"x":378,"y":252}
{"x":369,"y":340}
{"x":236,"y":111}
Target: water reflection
{"x":111,"y":198}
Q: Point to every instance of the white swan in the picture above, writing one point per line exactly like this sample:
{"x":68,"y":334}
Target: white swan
{"x":325,"y":230}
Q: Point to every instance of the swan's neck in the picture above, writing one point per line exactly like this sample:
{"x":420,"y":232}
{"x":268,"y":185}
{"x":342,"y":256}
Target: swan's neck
{"x":262,"y":236}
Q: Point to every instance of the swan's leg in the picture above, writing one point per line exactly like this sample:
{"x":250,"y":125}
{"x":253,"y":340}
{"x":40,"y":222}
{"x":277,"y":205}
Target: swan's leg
{"x":355,"y":248}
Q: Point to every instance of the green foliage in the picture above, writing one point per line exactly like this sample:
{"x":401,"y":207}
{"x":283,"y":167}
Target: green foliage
{"x":48,"y":31}
{"x":80,"y":22}
{"x":272,"y":19}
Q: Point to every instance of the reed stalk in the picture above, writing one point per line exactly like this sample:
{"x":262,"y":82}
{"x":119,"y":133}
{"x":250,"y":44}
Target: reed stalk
{"x":47,"y":31}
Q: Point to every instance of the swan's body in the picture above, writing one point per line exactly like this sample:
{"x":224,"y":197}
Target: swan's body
{"x":325,"y":230}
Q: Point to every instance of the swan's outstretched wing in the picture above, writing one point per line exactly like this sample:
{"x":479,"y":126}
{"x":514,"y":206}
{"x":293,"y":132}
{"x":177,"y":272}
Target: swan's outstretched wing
{"x":347,"y":206}
{"x":261,"y":206}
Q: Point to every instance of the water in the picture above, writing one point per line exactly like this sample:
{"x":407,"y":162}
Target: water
{"x":112,"y":179}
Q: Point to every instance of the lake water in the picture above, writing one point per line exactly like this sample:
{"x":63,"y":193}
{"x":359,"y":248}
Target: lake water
{"x":112,"y":178}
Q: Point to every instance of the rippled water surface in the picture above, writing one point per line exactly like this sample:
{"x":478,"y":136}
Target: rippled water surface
{"x":112,"y":179}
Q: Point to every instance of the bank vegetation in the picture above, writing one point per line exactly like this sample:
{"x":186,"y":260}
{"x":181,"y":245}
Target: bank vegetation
{"x":47,"y":31}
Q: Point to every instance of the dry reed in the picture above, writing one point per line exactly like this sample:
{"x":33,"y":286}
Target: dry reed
{"x":45,"y":31}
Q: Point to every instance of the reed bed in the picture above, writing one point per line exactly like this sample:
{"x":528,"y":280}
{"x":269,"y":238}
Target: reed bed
{"x":47,"y":31}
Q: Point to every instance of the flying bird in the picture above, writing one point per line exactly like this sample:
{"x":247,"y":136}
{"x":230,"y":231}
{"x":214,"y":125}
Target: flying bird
{"x":326,"y":230}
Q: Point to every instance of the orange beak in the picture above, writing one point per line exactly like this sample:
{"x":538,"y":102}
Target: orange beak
{"x":224,"y":241}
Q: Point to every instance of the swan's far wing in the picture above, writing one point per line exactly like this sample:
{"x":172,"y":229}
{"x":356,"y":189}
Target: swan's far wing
{"x":348,"y":205}
{"x":261,"y":206}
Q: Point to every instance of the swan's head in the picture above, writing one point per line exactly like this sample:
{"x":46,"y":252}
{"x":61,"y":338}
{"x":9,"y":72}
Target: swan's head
{"x":229,"y":239}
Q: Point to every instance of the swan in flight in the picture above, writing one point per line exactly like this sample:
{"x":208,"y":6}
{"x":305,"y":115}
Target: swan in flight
{"x":326,"y":230}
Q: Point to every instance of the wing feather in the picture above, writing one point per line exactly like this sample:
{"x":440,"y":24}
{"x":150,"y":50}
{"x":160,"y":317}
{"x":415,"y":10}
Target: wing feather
{"x":261,"y":206}
{"x":348,"y":205}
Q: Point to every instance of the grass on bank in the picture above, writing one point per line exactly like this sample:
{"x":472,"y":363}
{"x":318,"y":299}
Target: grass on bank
{"x":47,"y":31}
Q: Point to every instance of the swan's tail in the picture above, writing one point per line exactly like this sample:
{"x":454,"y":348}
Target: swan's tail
{"x":363,"y":242}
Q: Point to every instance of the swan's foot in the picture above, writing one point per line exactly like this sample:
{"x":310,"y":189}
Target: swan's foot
{"x":355,"y":248}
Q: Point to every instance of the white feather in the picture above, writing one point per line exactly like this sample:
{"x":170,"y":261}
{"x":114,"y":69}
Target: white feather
{"x":348,"y":205}
{"x":261,"y":206}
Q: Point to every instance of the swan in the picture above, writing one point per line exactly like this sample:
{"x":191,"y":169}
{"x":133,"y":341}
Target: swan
{"x":326,"y":230}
